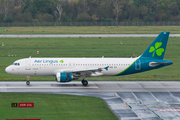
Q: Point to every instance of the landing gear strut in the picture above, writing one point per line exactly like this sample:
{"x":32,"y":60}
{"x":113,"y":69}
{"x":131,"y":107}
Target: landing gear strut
{"x":28,"y":82}
{"x":84,"y":82}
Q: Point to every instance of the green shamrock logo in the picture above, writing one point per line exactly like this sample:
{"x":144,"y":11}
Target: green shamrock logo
{"x":157,"y":50}
{"x":61,"y":61}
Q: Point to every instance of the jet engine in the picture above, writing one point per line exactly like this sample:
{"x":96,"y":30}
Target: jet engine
{"x":65,"y":77}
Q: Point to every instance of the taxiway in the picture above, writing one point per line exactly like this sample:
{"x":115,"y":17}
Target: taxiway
{"x":128,"y":100}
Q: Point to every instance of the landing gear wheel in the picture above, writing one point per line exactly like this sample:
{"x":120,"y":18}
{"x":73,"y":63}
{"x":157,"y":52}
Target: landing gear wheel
{"x":82,"y":81}
{"x":27,"y":82}
{"x":85,"y":82}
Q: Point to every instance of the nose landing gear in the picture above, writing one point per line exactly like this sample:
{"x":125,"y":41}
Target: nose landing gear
{"x":28,"y":82}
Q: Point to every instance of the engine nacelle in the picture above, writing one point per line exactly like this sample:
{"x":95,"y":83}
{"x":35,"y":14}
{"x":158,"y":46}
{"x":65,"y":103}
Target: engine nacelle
{"x":64,"y":77}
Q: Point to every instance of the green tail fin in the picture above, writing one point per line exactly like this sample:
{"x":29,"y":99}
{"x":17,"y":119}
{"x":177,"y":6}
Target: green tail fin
{"x":157,"y":47}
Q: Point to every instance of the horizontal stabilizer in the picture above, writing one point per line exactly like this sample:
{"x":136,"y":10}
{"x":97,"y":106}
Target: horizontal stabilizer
{"x":153,"y":64}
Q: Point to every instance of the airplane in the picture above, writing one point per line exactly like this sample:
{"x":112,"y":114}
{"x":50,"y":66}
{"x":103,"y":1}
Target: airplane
{"x":68,"y":69}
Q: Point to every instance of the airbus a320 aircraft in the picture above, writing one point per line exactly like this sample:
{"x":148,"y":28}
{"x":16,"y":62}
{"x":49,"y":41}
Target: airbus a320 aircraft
{"x":67,"y":69}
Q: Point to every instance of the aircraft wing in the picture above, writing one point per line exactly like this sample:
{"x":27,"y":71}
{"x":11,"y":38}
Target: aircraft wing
{"x":86,"y":70}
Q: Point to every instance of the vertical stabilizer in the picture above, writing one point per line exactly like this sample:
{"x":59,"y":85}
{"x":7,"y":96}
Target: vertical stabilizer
{"x":157,"y":47}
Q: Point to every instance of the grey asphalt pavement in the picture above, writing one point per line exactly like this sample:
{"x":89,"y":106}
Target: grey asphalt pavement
{"x":128,"y":100}
{"x":84,"y":35}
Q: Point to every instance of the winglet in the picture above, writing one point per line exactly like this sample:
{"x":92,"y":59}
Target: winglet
{"x":106,"y":68}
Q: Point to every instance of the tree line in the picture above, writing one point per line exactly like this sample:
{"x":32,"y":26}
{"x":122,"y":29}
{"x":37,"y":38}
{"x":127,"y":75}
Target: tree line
{"x":89,"y":10}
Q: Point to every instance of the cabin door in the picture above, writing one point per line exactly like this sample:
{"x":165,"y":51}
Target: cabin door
{"x":138,"y":65}
{"x":28,"y":64}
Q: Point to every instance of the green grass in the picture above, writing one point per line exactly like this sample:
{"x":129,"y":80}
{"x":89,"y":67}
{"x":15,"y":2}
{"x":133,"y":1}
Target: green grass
{"x":54,"y":107}
{"x":1,"y":29}
{"x":91,"y":30}
{"x":88,"y":47}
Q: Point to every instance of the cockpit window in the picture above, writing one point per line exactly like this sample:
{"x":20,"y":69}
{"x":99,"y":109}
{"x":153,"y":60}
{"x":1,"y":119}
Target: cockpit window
{"x":17,"y":64}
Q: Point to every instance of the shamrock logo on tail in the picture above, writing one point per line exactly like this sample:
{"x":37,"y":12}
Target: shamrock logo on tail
{"x":157,"y":50}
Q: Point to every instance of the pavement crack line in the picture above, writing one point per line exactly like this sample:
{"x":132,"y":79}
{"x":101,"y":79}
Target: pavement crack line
{"x":157,"y":115}
{"x":136,"y":98}
{"x":110,"y":98}
{"x":155,"y":97}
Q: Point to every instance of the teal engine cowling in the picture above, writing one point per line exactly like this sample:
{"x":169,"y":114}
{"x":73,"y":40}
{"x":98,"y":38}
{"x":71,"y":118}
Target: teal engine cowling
{"x":64,"y":77}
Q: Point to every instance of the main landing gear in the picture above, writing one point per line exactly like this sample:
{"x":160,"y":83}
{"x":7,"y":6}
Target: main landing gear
{"x":28,"y":82}
{"x":84,"y":82}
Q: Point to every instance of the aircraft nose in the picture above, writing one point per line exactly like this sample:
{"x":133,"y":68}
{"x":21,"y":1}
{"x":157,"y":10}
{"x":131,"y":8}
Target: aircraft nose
{"x":7,"y":69}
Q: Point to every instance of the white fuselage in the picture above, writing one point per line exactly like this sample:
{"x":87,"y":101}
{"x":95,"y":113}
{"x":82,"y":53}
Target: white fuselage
{"x":50,"y":66}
